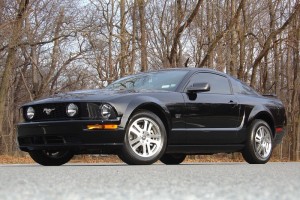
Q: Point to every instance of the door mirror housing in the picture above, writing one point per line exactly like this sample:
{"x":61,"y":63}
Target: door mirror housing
{"x":198,"y":87}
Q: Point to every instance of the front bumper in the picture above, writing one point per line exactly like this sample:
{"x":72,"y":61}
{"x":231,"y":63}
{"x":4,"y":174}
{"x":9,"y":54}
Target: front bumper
{"x":56,"y":135}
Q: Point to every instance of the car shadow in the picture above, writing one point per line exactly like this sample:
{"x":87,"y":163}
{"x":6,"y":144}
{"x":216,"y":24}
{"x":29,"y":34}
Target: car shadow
{"x":124,"y":164}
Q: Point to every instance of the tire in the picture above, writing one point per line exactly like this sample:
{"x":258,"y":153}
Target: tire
{"x":51,"y":158}
{"x":259,"y":145}
{"x":172,"y":159}
{"x":145,"y":139}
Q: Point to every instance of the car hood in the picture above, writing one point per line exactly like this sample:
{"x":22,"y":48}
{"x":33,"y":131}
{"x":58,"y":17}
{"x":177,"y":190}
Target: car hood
{"x":91,"y":95}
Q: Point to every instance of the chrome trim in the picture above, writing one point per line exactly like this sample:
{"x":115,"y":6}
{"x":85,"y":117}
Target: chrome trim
{"x":213,"y":129}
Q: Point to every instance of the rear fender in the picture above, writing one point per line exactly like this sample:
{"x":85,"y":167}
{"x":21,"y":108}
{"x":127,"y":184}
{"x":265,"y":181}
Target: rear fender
{"x":261,"y":112}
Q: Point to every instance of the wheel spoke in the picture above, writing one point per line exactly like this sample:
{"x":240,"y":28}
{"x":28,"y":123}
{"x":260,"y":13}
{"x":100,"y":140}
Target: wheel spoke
{"x":265,"y":132}
{"x":132,"y":142}
{"x":154,"y":141}
{"x":137,"y":132}
{"x":153,"y":136}
{"x":145,"y":125}
{"x":137,"y":127}
{"x":149,"y":148}
{"x":264,"y":151}
{"x":259,"y":149}
{"x":144,"y":150}
{"x":257,"y":138}
{"x":149,"y":127}
{"x":137,"y":145}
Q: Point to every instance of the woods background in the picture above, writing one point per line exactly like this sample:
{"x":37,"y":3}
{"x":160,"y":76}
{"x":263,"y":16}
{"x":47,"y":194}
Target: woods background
{"x":51,"y":46}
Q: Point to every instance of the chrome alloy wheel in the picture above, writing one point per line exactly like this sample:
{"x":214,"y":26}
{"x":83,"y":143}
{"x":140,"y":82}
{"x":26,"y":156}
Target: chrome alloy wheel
{"x":145,"y":137}
{"x":263,"y":142}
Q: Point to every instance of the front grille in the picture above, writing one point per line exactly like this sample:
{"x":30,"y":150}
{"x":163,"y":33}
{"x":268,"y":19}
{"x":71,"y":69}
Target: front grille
{"x":57,"y":112}
{"x":93,"y":110}
{"x":90,"y":110}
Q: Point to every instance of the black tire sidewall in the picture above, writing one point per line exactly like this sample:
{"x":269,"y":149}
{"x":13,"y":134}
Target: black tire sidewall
{"x":42,"y":158}
{"x":172,"y":159}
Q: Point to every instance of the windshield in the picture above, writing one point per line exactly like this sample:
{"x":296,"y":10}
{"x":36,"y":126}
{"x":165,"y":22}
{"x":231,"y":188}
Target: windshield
{"x":162,"y":80}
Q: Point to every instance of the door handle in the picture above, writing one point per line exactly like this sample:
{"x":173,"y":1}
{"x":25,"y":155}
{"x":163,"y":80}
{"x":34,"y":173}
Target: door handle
{"x":233,"y":103}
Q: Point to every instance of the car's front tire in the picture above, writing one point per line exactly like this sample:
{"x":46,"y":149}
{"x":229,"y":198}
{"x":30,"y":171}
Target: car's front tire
{"x":259,"y":145}
{"x":145,"y":139}
{"x":172,"y":159}
{"x":51,"y":158}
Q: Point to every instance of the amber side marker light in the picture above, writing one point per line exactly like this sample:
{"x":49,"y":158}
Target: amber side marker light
{"x":104,"y":126}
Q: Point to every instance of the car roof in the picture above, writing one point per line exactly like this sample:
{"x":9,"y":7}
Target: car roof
{"x":189,"y":69}
{"x":192,"y":69}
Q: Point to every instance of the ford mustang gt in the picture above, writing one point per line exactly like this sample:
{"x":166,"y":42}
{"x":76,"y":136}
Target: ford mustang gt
{"x":162,"y":115}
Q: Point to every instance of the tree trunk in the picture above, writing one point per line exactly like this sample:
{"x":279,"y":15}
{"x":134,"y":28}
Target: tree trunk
{"x":241,"y":33}
{"x":144,"y":56}
{"x":275,"y":50}
{"x":54,"y":59}
{"x":268,"y":42}
{"x":221,"y":34}
{"x":122,"y":39}
{"x":296,"y":90}
{"x":179,"y":30}
{"x":133,"y":40}
{"x":10,"y":62}
{"x":233,"y":43}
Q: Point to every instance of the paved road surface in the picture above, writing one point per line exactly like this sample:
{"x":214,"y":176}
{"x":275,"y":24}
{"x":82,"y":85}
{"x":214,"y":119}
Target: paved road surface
{"x":118,"y":181}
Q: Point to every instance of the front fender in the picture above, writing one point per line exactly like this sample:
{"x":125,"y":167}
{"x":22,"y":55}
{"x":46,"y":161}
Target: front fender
{"x":140,"y":102}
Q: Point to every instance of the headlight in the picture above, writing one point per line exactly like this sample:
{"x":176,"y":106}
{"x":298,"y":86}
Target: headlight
{"x":106,"y":110}
{"x":30,"y":113}
{"x":72,"y":110}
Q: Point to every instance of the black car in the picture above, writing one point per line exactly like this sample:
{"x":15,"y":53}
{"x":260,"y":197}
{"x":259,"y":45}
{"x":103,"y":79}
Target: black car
{"x":162,"y":115}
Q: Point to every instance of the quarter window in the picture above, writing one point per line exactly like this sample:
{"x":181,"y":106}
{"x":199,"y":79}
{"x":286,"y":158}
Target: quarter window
{"x":218,"y":84}
{"x":241,"y":88}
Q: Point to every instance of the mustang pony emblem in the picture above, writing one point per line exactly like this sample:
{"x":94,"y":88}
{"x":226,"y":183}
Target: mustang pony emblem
{"x":48,"y":110}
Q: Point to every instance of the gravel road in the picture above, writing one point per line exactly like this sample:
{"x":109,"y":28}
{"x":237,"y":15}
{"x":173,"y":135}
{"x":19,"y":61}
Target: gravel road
{"x":158,"y":181}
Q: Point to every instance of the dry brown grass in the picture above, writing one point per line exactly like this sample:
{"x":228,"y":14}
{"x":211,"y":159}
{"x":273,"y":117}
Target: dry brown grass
{"x":6,"y":159}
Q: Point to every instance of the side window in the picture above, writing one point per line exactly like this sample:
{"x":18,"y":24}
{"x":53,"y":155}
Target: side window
{"x":241,"y":88}
{"x":218,"y":84}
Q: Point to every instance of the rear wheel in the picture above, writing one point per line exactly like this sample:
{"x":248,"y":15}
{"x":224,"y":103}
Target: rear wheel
{"x":172,"y":159}
{"x":145,"y":139}
{"x":51,"y":158}
{"x":258,"y":149}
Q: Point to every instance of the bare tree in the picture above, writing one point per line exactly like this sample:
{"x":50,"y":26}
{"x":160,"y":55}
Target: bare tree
{"x":144,"y":62}
{"x":8,"y":68}
{"x":267,"y":43}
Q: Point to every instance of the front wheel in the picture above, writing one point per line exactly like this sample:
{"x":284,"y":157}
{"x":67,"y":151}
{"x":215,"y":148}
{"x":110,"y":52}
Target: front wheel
{"x":51,"y":158}
{"x":172,"y":159}
{"x":145,"y":139}
{"x":258,"y":149}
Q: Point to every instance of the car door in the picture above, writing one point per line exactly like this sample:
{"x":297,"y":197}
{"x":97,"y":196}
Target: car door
{"x":211,"y":117}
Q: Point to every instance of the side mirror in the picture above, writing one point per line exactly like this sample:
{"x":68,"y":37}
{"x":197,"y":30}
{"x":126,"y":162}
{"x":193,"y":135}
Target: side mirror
{"x":198,"y":87}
